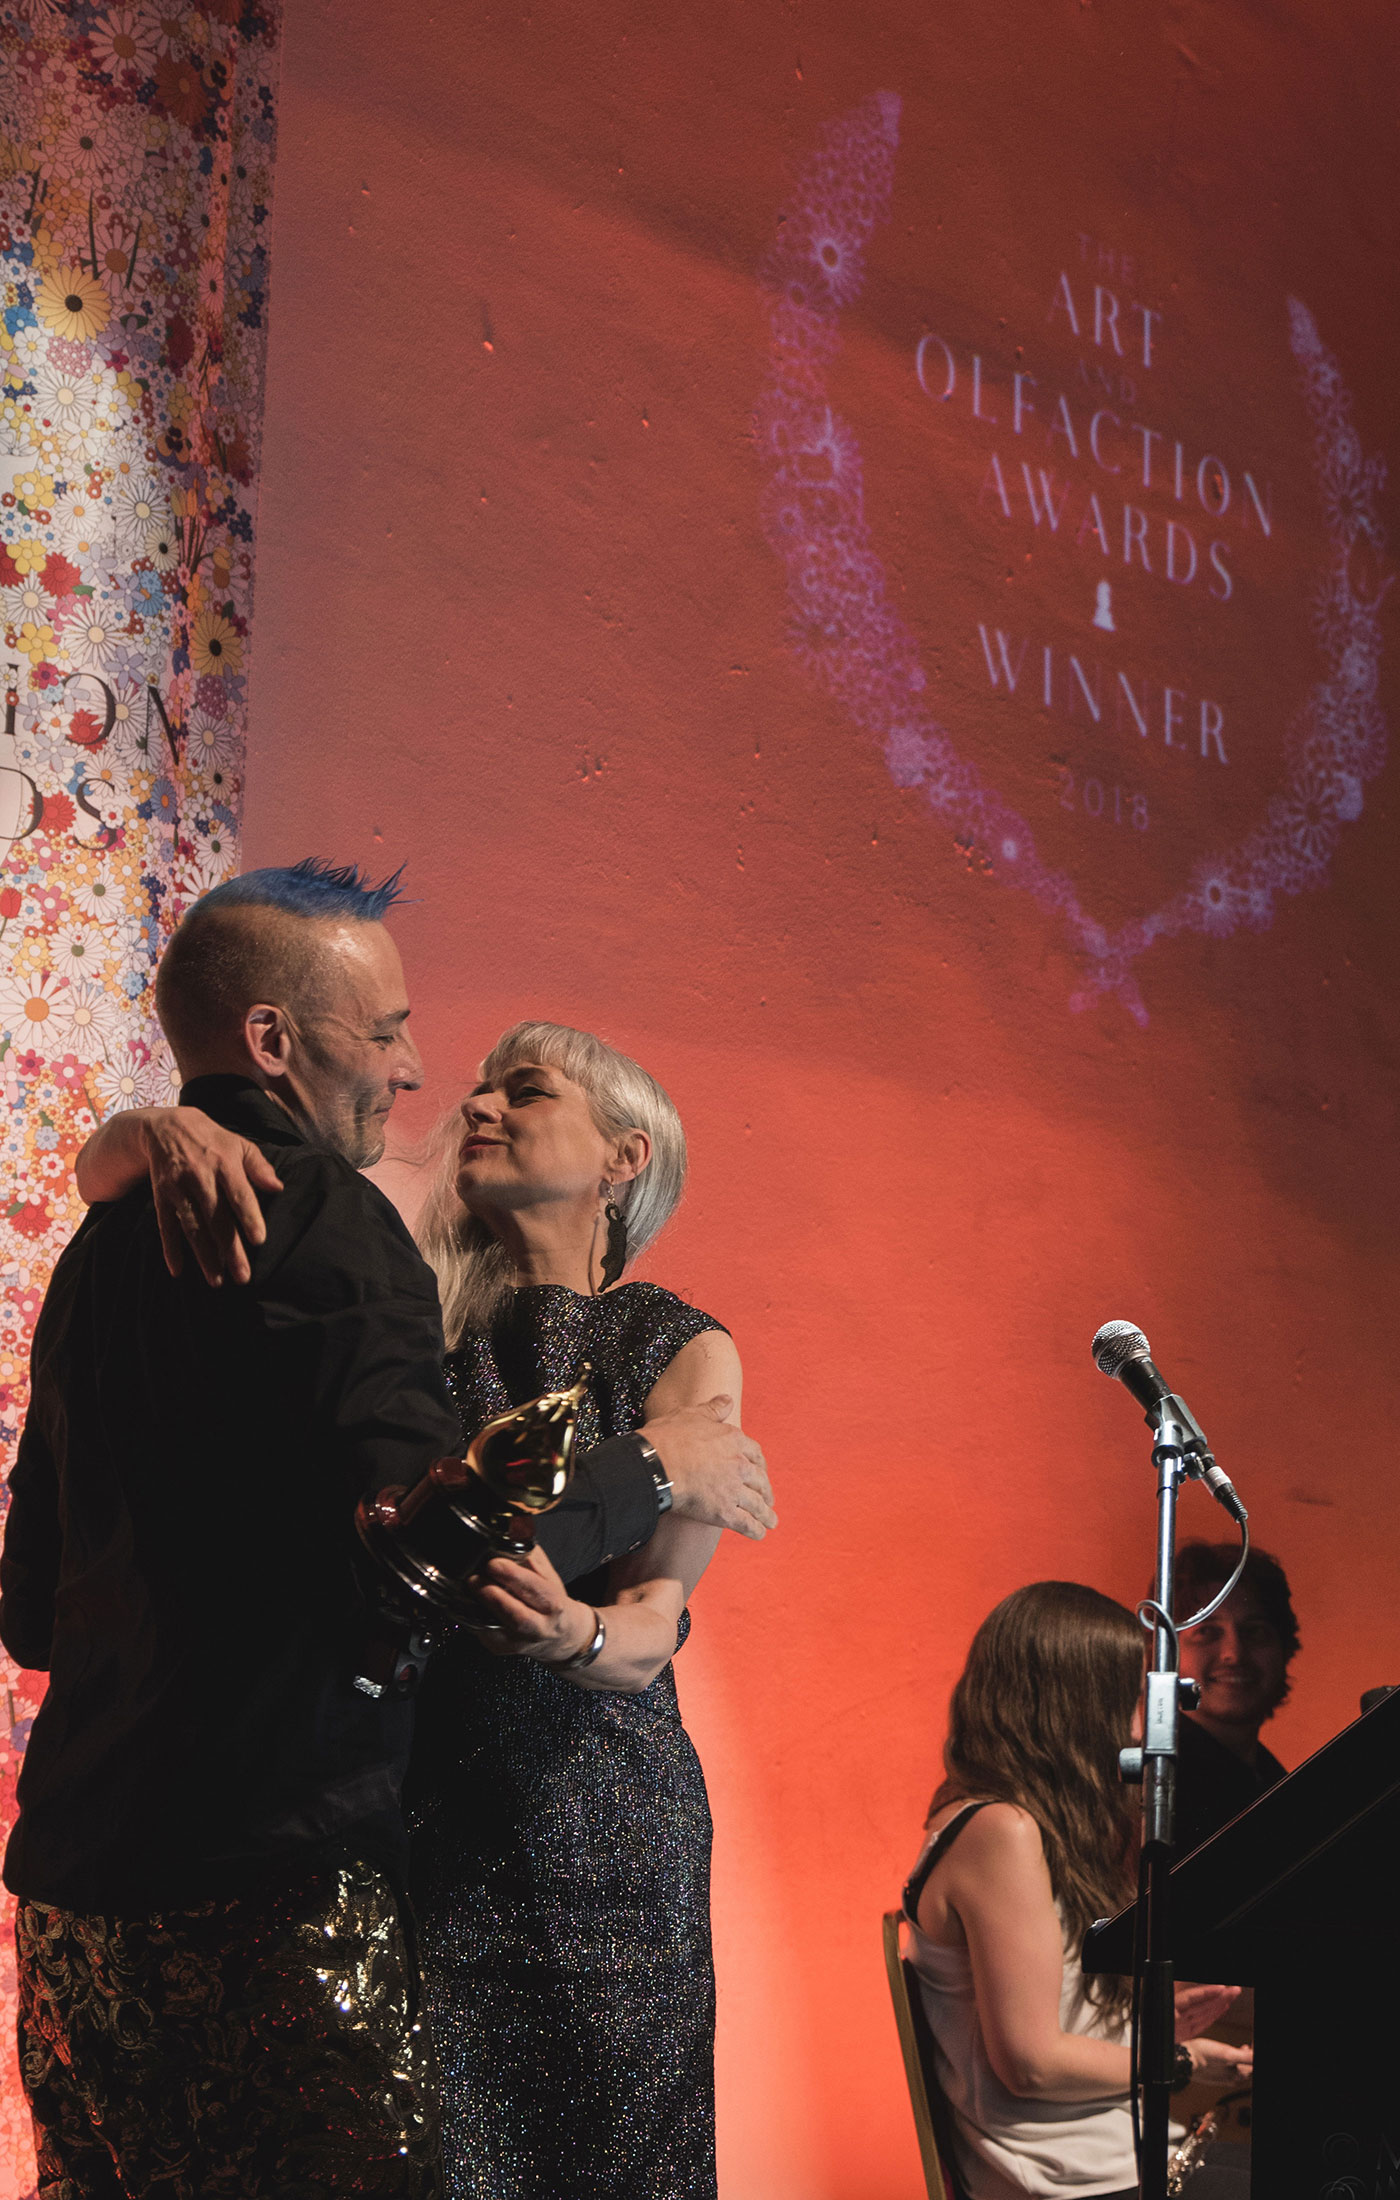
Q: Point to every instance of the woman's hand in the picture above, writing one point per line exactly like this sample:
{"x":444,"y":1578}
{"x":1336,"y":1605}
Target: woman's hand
{"x":1199,"y":2007}
{"x":529,"y":1613}
{"x":205,"y":1181}
{"x":1215,"y":2062}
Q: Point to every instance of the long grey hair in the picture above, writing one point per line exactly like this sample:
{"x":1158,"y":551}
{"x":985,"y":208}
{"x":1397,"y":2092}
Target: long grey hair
{"x":472,"y":1266}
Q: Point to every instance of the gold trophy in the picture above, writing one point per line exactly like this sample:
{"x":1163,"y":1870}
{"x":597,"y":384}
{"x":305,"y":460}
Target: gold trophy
{"x":433,"y":1539}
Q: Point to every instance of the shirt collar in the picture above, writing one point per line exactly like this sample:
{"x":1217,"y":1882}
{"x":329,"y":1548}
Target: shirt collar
{"x":240,"y":1105}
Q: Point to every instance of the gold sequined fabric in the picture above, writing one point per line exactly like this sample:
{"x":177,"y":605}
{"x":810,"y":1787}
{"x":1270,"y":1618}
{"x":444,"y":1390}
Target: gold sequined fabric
{"x":269,"y":2045}
{"x":561,"y":1851}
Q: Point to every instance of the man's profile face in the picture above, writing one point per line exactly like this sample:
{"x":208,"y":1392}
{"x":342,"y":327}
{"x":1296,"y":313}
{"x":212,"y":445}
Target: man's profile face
{"x":353,"y":1053}
{"x":1238,"y":1659}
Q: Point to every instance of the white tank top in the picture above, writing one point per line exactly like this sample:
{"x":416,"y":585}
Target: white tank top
{"x":1009,"y":2146}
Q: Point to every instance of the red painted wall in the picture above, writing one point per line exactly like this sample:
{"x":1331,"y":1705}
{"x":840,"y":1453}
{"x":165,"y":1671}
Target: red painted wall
{"x":519,"y":623}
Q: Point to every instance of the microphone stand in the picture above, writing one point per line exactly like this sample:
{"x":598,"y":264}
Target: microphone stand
{"x":1155,"y":1765}
{"x":1179,"y":1452}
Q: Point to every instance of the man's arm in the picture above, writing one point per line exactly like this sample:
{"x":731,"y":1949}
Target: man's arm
{"x":203,"y":1186}
{"x":33,"y":1549}
{"x":717,"y":1476}
{"x":348,"y":1298}
{"x":610,"y":1506}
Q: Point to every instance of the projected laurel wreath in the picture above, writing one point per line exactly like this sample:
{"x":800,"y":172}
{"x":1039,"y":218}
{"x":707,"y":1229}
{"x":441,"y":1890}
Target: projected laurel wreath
{"x":853,"y":643}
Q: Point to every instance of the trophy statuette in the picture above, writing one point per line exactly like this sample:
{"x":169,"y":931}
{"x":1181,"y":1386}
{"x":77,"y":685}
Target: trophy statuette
{"x":433,"y":1539}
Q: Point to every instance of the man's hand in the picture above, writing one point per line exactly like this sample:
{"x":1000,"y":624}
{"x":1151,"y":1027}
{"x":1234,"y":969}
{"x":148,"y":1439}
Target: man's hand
{"x":206,"y":1181}
{"x":716,"y":1473}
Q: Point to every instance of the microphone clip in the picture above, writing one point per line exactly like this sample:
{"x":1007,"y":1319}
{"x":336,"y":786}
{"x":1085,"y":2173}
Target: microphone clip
{"x":1188,"y":1437}
{"x":1180,"y":1436}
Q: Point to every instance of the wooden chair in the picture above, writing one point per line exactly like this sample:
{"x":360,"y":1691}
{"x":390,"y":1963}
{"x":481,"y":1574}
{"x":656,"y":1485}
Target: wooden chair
{"x":932,"y":2119}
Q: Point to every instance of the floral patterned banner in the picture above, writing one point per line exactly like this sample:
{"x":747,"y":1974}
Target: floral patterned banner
{"x":136,"y":148}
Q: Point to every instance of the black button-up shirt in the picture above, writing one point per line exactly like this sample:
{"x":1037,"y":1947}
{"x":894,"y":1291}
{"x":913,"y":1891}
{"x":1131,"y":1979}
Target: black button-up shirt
{"x":181,"y":1555}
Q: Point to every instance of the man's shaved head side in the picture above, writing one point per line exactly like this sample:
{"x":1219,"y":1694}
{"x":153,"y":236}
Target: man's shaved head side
{"x":263,"y":938}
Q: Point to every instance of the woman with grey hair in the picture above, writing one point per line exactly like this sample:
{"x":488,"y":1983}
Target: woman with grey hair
{"x":561,"y":1833}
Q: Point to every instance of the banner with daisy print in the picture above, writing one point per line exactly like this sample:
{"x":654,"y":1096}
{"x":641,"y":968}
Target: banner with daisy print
{"x":136,"y":150}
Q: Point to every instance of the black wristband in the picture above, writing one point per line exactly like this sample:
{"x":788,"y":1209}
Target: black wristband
{"x":1183,"y":2069}
{"x":665,"y":1494}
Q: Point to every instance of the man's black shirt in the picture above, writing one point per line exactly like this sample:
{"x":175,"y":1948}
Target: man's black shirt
{"x":181,"y":1555}
{"x":1213,"y":1785}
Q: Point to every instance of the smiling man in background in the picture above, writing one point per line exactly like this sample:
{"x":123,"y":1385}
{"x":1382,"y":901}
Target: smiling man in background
{"x":1240,"y":1658}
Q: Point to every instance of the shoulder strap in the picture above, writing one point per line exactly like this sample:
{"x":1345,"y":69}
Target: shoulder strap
{"x":937,"y":1849}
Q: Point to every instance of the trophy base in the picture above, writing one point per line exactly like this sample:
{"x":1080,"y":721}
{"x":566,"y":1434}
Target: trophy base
{"x":432,"y":1552}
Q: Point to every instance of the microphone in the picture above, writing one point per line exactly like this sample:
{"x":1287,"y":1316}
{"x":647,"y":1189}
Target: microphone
{"x":1121,"y":1350}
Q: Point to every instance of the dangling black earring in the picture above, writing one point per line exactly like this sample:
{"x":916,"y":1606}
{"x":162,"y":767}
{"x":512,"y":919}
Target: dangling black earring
{"x":615,"y":1258}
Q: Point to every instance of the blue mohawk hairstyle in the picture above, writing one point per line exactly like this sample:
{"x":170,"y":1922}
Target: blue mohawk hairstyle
{"x":311,"y":888}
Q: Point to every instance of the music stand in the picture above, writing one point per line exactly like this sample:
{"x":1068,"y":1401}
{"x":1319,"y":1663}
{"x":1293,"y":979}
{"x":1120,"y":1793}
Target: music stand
{"x":1299,"y":1897}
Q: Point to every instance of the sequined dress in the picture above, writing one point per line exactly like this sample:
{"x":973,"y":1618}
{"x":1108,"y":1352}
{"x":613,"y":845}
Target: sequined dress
{"x":561,"y":1849}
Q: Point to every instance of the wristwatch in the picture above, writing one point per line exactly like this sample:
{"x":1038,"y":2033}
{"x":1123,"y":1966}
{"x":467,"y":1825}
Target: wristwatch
{"x":665,"y":1494}
{"x":1183,"y":2069}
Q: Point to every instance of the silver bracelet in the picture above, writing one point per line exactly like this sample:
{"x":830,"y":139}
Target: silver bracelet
{"x":581,"y":1658}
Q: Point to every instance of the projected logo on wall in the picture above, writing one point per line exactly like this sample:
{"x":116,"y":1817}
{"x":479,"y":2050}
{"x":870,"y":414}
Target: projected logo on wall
{"x":1135,"y":525}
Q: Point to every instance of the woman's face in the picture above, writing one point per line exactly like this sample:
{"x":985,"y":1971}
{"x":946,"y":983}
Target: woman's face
{"x":530,"y":1140}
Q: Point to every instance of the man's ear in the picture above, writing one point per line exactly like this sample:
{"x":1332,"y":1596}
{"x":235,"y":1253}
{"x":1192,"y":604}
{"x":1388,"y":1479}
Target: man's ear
{"x":268,"y":1038}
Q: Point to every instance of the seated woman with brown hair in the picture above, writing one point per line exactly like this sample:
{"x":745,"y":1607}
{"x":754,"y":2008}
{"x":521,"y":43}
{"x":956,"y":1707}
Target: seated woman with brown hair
{"x":1030,"y":1838}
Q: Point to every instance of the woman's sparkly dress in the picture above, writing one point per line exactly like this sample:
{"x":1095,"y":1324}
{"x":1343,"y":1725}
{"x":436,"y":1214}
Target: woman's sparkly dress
{"x":561,"y":1848}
